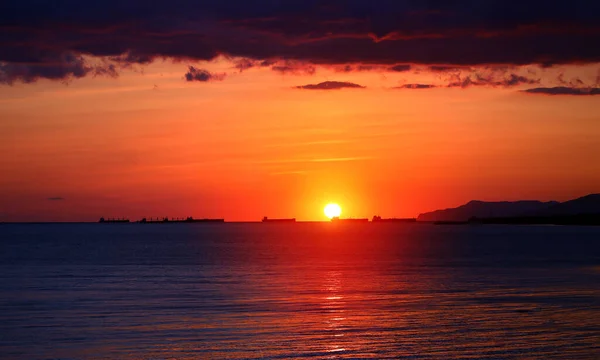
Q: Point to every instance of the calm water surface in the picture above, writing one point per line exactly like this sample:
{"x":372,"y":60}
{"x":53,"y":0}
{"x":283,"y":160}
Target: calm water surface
{"x":320,"y":290}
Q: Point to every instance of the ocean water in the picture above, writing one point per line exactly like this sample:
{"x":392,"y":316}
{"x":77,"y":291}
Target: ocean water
{"x":313,"y":290}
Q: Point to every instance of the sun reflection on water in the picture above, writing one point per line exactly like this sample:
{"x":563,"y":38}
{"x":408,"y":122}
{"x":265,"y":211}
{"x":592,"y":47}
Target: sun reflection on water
{"x":334,"y":305}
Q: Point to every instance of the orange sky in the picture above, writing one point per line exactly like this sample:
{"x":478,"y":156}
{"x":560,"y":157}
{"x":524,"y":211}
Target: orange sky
{"x":253,"y":145}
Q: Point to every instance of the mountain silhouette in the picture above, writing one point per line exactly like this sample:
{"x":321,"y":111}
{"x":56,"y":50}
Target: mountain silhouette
{"x":586,"y":205}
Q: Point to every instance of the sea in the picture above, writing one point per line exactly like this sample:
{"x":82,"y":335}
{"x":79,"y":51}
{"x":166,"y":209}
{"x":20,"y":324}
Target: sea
{"x":304,"y":290}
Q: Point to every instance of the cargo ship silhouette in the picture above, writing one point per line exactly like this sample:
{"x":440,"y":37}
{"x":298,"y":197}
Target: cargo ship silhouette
{"x":402,"y":220}
{"x":113,"y":220}
{"x":267,"y":220}
{"x":178,"y":220}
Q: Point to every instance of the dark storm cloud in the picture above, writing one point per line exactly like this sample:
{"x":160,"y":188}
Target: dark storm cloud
{"x":330,"y":85}
{"x":416,"y":86}
{"x":36,"y":34}
{"x":195,"y":74}
{"x":563,"y":90}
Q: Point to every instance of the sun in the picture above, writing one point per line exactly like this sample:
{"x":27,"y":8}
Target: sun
{"x":332,"y":210}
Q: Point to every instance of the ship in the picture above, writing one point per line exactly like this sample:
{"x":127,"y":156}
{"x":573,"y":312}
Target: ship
{"x":349,"y":220}
{"x":154,"y":221}
{"x":113,"y":220}
{"x":401,"y":220}
{"x":204,"y":220}
{"x":266,"y":219}
{"x":179,"y":220}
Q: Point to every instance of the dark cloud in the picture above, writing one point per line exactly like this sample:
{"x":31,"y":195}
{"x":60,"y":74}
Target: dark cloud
{"x":131,"y":57}
{"x":416,"y":86}
{"x":56,"y":198}
{"x":109,"y":70}
{"x":573,"y":83}
{"x":400,"y":68}
{"x":355,"y":67}
{"x":195,"y":74}
{"x":330,"y":85}
{"x":294,"y":67}
{"x":281,"y":66}
{"x":453,"y":33}
{"x":493,"y":80}
{"x":54,"y":67}
{"x":245,"y":63}
{"x":563,"y":90}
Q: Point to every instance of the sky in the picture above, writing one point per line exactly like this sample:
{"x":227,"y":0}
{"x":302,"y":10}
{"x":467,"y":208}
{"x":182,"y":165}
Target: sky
{"x":245,"y":109}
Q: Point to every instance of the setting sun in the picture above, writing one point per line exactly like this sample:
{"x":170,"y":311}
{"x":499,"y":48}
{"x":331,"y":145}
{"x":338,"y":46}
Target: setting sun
{"x":332,"y":210}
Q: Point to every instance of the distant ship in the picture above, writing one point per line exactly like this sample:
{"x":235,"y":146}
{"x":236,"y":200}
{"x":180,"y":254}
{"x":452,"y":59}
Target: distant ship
{"x":266,"y":219}
{"x":205,"y":220}
{"x":177,"y":220}
{"x":113,"y":220}
{"x":403,"y":220}
{"x":349,"y":220}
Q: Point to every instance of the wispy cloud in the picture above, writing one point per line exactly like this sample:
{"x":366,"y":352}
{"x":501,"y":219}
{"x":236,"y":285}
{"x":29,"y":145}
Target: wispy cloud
{"x":492,"y":80}
{"x":291,"y":172}
{"x":294,"y":67}
{"x":315,"y":160}
{"x":342,"y":159}
{"x":308,"y":143}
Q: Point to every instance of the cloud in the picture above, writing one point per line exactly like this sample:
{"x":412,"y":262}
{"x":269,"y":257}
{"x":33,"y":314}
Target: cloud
{"x":56,"y":198}
{"x":563,"y":90}
{"x":282,"y":66}
{"x":400,"y":68}
{"x":63,"y":67}
{"x":415,"y":86}
{"x":109,"y":70}
{"x":573,"y":83}
{"x":355,"y":67}
{"x":330,"y":85}
{"x":131,"y":57}
{"x":195,"y":74}
{"x":444,"y":68}
{"x":293,"y":67}
{"x":493,"y":80}
{"x":244,"y":64}
{"x":45,"y":39}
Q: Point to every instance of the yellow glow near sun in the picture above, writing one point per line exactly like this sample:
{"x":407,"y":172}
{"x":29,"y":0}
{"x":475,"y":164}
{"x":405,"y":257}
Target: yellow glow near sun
{"x":332,"y":210}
